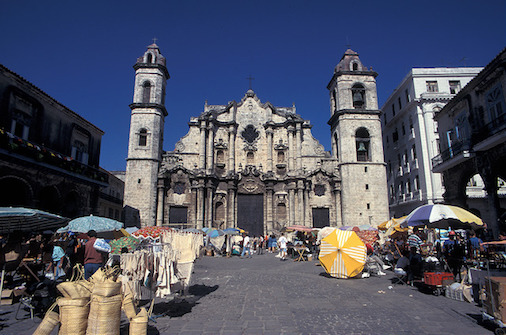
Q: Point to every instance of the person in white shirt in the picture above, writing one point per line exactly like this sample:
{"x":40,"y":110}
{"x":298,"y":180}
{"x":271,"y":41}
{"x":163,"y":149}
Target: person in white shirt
{"x":282,"y":246}
{"x":246,"y":246}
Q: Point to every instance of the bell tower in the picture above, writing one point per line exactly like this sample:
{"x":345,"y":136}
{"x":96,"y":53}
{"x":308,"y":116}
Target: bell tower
{"x":357,"y":142}
{"x":146,"y":138}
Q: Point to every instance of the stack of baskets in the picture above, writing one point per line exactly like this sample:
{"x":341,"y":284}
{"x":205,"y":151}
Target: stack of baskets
{"x":94,"y":307}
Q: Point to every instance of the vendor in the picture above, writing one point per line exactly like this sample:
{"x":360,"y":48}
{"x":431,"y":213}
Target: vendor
{"x":453,"y":251}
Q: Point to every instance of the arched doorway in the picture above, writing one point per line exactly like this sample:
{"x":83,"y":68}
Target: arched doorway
{"x":16,"y":192}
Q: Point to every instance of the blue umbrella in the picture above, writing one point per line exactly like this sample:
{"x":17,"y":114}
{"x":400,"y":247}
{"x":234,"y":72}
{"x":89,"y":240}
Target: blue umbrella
{"x":213,"y":232}
{"x":28,"y":219}
{"x":231,"y":231}
{"x":86,"y":223}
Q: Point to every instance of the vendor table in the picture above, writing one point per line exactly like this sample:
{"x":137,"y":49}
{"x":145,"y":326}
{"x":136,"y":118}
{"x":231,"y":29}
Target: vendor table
{"x":300,"y":252}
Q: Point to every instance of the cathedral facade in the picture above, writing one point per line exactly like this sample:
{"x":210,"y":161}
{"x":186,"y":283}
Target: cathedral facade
{"x":253,"y":165}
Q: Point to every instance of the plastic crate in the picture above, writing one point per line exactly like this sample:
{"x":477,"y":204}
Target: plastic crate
{"x":436,"y":278}
{"x":454,"y":292}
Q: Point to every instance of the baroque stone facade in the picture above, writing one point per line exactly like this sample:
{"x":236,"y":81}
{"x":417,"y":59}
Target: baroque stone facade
{"x":253,"y":165}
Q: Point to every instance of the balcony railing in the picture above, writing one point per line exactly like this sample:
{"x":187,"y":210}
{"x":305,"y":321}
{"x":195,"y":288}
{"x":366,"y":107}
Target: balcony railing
{"x":41,"y":154}
{"x":456,"y":149}
{"x":490,"y":129}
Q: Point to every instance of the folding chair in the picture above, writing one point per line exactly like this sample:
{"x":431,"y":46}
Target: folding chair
{"x":401,"y":275}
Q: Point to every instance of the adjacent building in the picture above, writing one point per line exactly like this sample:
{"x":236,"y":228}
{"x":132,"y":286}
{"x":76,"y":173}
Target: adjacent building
{"x":49,"y":155}
{"x":472,"y":129}
{"x":410,"y":135}
{"x":254,"y":165}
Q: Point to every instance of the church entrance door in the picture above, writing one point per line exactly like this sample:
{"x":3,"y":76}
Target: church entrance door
{"x":321,"y":217}
{"x":250,"y":213}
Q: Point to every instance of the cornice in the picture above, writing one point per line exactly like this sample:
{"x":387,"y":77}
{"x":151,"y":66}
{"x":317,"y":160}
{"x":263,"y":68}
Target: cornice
{"x":149,"y":105}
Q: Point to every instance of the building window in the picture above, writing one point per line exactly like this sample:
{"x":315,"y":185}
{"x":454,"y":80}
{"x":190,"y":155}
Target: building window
{"x":220,"y":157}
{"x":319,"y":190}
{"x":393,"y":110}
{"x":408,"y":98}
{"x":362,"y":140}
{"x":454,"y":86}
{"x":143,"y":137}
{"x":358,"y":94}
{"x":355,"y":67}
{"x":146,"y":92}
{"x":432,"y":86}
{"x":281,"y":157}
{"x":79,"y":152}
{"x":405,"y":158}
{"x":417,"y":183}
{"x":20,"y":125}
{"x":413,"y":152}
{"x":495,"y":103}
{"x":366,"y":186}
{"x":385,"y":118}
{"x":408,"y":186}
{"x":336,"y":141}
{"x":403,"y":129}
{"x":179,"y":188}
{"x":395,"y":136}
{"x":368,"y":206}
{"x":399,"y":102}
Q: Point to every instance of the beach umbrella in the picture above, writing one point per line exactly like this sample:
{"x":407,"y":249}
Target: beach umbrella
{"x":86,"y":223}
{"x":152,"y":232}
{"x":232,"y":231}
{"x":442,"y":216}
{"x":213,"y":232}
{"x":28,"y":219}
{"x":128,"y":242}
{"x":342,"y":254}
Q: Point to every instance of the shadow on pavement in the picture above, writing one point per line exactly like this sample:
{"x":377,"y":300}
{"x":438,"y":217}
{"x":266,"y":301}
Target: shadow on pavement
{"x":182,"y":305}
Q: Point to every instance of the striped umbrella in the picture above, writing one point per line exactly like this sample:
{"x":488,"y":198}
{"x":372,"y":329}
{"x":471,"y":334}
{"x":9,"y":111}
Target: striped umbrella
{"x":342,"y":254}
{"x":28,"y":219}
{"x":443,"y":216}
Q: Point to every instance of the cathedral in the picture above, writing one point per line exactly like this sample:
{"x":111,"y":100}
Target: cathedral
{"x":253,"y":165}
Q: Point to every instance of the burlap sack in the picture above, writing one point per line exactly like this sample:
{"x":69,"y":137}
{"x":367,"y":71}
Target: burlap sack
{"x":75,"y":289}
{"x":139,"y":323}
{"x":107,"y":289}
{"x":105,"y":315}
{"x":73,"y":316}
{"x":51,"y":319}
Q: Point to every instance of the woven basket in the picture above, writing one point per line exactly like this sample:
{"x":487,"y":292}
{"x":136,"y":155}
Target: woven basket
{"x":105,"y":315}
{"x":75,"y":289}
{"x":48,"y":323}
{"x":139,"y":323}
{"x":107,"y":289}
{"x":129,"y":307}
{"x":73,"y":316}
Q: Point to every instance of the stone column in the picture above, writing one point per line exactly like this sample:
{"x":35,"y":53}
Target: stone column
{"x":337,"y":204}
{"x":307,"y":208}
{"x":231,"y":206}
{"x":161,"y":202}
{"x":231,"y":148}
{"x":200,"y":207}
{"x":291,"y":148}
{"x":210,"y":209}
{"x":291,"y":206}
{"x":210,"y":148}
{"x":192,"y":220}
{"x":269,"y":134}
{"x":268,"y":205}
{"x":298,"y":145}
{"x":202,"y":144}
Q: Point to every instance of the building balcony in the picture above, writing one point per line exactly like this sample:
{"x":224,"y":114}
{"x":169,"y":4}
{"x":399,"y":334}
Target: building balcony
{"x":491,"y":134}
{"x":458,"y":153}
{"x":35,"y":153}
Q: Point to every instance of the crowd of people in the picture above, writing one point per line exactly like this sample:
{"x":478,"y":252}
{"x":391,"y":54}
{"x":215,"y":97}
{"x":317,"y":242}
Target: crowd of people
{"x":424,"y":250}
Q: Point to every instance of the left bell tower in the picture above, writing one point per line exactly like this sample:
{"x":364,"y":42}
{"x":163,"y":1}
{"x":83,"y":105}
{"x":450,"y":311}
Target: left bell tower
{"x":146,"y":138}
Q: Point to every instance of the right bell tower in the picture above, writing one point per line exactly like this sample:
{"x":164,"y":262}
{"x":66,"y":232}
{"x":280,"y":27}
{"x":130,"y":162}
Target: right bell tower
{"x":357,"y":143}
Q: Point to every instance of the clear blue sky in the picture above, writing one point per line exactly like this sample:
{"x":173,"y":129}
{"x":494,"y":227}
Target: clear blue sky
{"x":82,"y":52}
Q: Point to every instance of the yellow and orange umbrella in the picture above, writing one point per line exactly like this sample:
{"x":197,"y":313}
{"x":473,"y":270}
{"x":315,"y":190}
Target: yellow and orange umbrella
{"x":342,"y":254}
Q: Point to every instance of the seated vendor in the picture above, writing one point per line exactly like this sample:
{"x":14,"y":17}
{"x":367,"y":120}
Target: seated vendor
{"x":402,"y":265}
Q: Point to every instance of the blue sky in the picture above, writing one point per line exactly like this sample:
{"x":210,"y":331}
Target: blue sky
{"x":82,"y":52}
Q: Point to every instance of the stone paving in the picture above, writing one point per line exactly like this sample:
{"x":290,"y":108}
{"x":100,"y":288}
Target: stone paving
{"x":264,"y":295}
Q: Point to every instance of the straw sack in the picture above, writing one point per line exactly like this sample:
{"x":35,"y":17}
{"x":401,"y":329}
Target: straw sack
{"x":129,"y":307}
{"x":48,"y":323}
{"x":107,"y":289}
{"x":75,"y":289}
{"x":105,"y":315}
{"x":73,"y":316}
{"x":139,"y":323}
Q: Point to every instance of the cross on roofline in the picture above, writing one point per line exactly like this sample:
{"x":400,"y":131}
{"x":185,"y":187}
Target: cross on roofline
{"x":250,"y":78}
{"x":154,"y":40}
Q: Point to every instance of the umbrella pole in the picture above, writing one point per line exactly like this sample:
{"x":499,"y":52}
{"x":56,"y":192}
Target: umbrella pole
{"x":2,"y":280}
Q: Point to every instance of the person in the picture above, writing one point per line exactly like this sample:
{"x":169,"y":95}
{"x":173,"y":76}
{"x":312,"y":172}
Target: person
{"x":402,"y":266}
{"x":246,"y":246}
{"x":92,"y":257}
{"x":415,"y":269}
{"x":58,"y":257}
{"x":282,"y":246}
{"x":414,"y":239}
{"x":475,"y":244}
{"x":260,"y":245}
{"x":454,"y":252}
{"x":373,"y":263}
